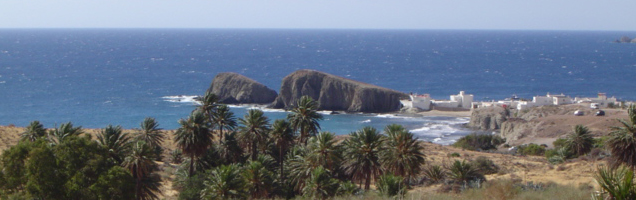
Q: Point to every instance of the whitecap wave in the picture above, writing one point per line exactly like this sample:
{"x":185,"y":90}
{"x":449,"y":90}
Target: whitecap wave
{"x":325,"y":112}
{"x":366,"y":121}
{"x":181,"y":99}
{"x":391,"y":116}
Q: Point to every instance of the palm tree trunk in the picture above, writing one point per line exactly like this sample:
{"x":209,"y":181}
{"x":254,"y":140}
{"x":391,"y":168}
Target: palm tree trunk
{"x":280,"y":157}
{"x":254,"y":151}
{"x":191,"y":166}
{"x":367,"y":183}
{"x":138,"y":185}
{"x":220,"y":133}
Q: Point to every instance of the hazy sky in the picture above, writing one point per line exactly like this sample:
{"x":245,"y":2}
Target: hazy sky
{"x":347,"y":14}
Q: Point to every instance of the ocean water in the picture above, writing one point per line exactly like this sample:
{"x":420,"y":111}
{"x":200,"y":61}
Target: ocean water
{"x":96,"y":77}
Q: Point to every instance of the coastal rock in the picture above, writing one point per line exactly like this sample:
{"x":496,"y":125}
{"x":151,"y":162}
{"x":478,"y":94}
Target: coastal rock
{"x":233,"y":88}
{"x":625,"y":39}
{"x":488,"y":118}
{"x":337,"y":93}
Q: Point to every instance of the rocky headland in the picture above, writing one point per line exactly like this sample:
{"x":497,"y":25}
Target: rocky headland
{"x":337,"y":93}
{"x":233,"y":88}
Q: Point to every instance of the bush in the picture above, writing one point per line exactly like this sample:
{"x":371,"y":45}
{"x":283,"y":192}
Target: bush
{"x":463,"y":172}
{"x":390,"y":185}
{"x":600,"y":142}
{"x":559,"y":143}
{"x":485,"y":165}
{"x":531,"y":149}
{"x":454,"y":154}
{"x":479,"y":142}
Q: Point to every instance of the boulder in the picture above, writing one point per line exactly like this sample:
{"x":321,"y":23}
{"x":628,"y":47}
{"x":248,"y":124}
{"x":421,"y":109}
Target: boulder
{"x":488,"y":118}
{"x":337,"y":93}
{"x":233,"y":88}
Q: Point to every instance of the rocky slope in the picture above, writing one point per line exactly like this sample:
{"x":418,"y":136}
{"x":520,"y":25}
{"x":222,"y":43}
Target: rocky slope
{"x":488,"y":118}
{"x":233,"y":88}
{"x":337,"y":93}
{"x":543,"y":124}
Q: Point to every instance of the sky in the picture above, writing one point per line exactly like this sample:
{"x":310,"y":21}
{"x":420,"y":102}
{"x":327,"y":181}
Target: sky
{"x":322,"y":14}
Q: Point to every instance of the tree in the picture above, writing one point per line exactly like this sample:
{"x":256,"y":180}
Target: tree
{"x":223,"y":118}
{"x":229,"y":149}
{"x":320,"y":185}
{"x":43,"y":178}
{"x":151,"y":134}
{"x":323,"y":151}
{"x":402,"y":153}
{"x":255,"y":128}
{"x":258,"y":179}
{"x":580,"y":141}
{"x":193,"y":137}
{"x":304,"y":118}
{"x":283,"y":137}
{"x":225,"y":182}
{"x":361,"y":153}
{"x":622,"y":142}
{"x":115,"y":140}
{"x":34,"y":131}
{"x":141,"y":165}
{"x":115,"y":184}
{"x":208,"y":104}
{"x":57,"y":135}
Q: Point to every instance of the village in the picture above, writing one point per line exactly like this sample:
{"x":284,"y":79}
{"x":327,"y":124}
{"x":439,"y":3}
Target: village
{"x":466,"y":102}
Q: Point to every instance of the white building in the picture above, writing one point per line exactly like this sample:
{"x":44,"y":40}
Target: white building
{"x":425,"y":102}
{"x":422,"y":101}
{"x":549,"y":99}
{"x":602,"y":100}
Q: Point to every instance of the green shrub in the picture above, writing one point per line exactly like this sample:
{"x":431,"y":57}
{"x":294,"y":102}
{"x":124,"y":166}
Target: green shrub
{"x":390,"y":185}
{"x":479,"y":142}
{"x":600,"y":142}
{"x":558,"y":143}
{"x":463,"y":172}
{"x":531,"y":149}
{"x":453,"y":155}
{"x":485,"y":165}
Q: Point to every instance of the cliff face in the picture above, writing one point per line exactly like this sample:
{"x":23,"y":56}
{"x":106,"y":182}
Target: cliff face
{"x":489,"y":118}
{"x":233,"y":88}
{"x":337,"y":93}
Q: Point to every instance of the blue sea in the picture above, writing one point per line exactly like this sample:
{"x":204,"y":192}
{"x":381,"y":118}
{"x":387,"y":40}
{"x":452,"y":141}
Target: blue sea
{"x":96,"y":77}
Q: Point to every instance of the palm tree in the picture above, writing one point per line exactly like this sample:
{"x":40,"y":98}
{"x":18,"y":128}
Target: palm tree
{"x":34,"y":131}
{"x":150,"y":133}
{"x":258,"y":179}
{"x":622,"y":142}
{"x":283,"y":136}
{"x":361,"y":154}
{"x":224,"y":119}
{"x":57,"y":135}
{"x":320,"y":185}
{"x":229,"y":149}
{"x":580,"y":141}
{"x":193,"y":137}
{"x":141,"y":165}
{"x":255,"y":128}
{"x":463,"y":171}
{"x":208,"y":104}
{"x":323,"y":151}
{"x":304,"y":118}
{"x":402,"y":153}
{"x":115,"y":140}
{"x":225,"y":182}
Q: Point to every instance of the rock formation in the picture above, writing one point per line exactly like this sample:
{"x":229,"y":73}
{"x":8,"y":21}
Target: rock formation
{"x":337,"y":93}
{"x":233,"y":88}
{"x":489,"y":118}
